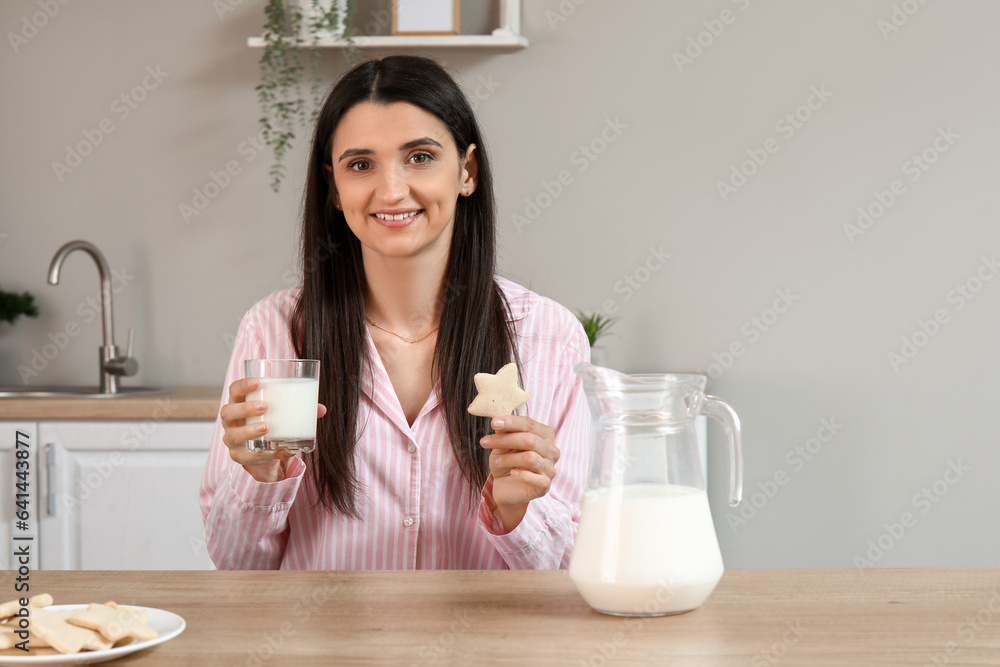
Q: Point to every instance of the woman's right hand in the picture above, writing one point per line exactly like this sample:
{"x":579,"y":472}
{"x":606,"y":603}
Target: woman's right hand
{"x":262,"y":466}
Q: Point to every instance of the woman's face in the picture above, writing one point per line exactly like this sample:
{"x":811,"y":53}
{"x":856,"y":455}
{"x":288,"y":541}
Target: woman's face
{"x":397,"y":176}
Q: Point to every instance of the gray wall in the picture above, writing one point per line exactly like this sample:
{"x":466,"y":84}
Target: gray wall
{"x":675,"y":133}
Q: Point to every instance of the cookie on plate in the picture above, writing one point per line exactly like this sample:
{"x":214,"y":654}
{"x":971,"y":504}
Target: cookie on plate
{"x":63,"y":636}
{"x":114,"y":623}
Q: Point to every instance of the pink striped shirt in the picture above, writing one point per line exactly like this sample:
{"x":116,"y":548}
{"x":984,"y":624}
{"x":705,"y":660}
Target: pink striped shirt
{"x":415,"y":505}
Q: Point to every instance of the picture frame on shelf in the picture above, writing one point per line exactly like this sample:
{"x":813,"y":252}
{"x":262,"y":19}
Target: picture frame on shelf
{"x":426,"y":17}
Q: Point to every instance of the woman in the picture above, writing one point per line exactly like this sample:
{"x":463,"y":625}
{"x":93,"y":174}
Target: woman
{"x":400,"y":304}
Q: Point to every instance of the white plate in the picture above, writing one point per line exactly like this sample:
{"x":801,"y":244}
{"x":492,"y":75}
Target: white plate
{"x":167,"y":624}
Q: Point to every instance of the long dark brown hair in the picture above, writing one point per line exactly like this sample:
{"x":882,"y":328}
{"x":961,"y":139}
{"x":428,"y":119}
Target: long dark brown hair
{"x":328,"y":323}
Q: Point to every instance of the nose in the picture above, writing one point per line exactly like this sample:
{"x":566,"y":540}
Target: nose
{"x":392,"y":186}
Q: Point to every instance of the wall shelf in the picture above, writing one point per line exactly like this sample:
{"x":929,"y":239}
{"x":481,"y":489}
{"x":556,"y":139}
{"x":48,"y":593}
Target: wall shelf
{"x":506,"y":42}
{"x":507,"y":37}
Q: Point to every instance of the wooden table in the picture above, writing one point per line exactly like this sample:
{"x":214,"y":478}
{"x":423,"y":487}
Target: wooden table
{"x":754,"y":617}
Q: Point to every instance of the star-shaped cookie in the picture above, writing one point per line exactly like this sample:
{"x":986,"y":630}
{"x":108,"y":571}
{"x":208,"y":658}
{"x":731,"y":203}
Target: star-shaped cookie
{"x":498,"y":394}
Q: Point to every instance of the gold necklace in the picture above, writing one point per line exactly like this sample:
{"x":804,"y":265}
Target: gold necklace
{"x":402,"y":338}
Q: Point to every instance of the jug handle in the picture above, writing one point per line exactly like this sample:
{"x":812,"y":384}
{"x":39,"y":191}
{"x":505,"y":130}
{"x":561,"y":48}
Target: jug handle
{"x":719,"y":409}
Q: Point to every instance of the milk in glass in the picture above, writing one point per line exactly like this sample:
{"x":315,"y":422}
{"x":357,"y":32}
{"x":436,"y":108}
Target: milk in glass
{"x":291,"y":407}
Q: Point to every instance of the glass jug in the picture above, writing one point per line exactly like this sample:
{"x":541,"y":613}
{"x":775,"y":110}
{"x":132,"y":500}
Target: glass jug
{"x":646,"y":544}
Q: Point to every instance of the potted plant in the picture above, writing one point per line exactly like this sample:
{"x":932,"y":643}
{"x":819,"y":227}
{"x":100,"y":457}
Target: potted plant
{"x":291,"y":27}
{"x":13,"y":305}
{"x":596,"y":326}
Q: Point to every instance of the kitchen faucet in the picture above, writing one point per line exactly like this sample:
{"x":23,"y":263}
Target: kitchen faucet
{"x":111,"y":364}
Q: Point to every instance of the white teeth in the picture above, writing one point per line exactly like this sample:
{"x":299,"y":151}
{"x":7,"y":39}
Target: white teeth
{"x":401,"y":216}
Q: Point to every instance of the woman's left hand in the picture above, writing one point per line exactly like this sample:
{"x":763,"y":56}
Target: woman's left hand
{"x":522,"y":464}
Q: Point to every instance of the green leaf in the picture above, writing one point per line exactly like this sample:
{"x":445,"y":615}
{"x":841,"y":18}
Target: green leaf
{"x":280,"y":93}
{"x":13,"y":305}
{"x":595,"y":325}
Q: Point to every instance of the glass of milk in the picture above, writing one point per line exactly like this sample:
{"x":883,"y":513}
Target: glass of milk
{"x":646,"y":543}
{"x":290,"y":387}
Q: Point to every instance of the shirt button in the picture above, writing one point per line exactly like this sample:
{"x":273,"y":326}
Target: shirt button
{"x":408,"y":521}
{"x":412,"y":447}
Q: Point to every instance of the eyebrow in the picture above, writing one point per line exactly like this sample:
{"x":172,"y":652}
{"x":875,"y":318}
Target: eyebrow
{"x":422,"y":141}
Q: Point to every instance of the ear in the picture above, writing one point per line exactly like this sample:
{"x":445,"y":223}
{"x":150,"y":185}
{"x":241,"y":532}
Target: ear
{"x":470,"y":171}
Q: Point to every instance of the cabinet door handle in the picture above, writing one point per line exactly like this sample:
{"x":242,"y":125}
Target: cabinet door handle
{"x":50,"y":471}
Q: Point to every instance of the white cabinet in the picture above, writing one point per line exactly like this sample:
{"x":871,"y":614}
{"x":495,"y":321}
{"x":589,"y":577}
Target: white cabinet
{"x":121,"y":495}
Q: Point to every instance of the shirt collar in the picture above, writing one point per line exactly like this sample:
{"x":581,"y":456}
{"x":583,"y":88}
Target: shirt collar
{"x":520,"y":300}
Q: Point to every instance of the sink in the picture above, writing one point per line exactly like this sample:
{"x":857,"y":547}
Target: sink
{"x":76,"y":392}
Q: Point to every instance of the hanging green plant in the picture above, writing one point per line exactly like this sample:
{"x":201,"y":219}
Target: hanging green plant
{"x":291,"y":27}
{"x":13,"y":305}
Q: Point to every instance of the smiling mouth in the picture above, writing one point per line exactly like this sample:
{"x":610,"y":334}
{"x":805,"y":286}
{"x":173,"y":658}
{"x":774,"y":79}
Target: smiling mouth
{"x":399,"y":216}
